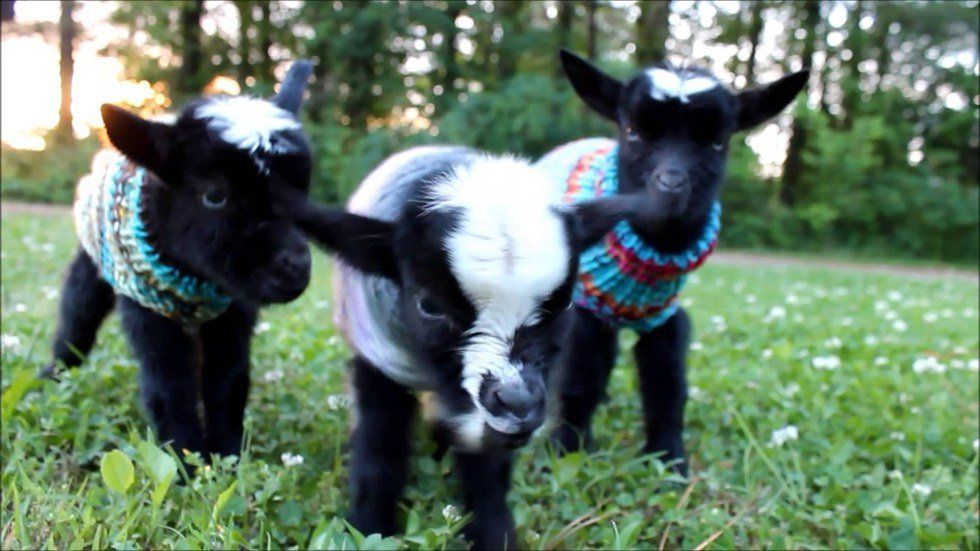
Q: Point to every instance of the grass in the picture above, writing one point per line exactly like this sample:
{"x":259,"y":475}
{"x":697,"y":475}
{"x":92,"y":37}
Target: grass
{"x":885,"y":454}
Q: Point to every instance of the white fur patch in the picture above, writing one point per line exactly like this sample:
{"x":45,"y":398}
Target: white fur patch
{"x":509,"y":252}
{"x":247,"y":123}
{"x":665,"y":83}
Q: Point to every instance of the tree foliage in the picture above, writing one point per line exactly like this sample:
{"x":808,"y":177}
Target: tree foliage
{"x":884,"y":147}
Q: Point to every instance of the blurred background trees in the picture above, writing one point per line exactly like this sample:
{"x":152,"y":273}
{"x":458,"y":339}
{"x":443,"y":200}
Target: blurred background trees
{"x":880,"y":156}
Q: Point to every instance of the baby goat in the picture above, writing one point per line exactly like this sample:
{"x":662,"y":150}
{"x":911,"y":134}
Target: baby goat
{"x":674,"y":127}
{"x":177,"y":229}
{"x":455,"y":278}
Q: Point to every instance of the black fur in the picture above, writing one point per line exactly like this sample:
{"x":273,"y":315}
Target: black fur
{"x":672,"y":157}
{"x":433,"y":319}
{"x":210,"y":210}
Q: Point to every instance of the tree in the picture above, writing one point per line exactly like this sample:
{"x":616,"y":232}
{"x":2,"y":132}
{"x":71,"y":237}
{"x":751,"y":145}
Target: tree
{"x":793,"y":166}
{"x":66,"y":38}
{"x":246,"y":19}
{"x":652,"y":31}
{"x":190,"y":79}
{"x":754,"y":35}
{"x":592,"y":29}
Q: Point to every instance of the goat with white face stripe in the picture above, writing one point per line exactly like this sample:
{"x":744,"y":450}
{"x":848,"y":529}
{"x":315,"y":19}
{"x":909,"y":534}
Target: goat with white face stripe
{"x":455,"y":278}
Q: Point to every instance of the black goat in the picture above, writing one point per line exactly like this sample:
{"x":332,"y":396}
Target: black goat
{"x":178,"y":229}
{"x":455,"y":278}
{"x":674,"y":126}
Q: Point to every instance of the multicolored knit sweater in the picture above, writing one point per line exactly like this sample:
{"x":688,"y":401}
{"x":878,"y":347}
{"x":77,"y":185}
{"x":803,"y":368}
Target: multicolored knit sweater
{"x":622,"y":279}
{"x":108,"y":219}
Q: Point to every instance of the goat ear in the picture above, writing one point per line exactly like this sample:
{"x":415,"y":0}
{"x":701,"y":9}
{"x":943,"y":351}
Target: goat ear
{"x":599,"y":90}
{"x":757,"y":105}
{"x":594,"y":219}
{"x":290,"y":95}
{"x":363,"y":242}
{"x":146,"y":143}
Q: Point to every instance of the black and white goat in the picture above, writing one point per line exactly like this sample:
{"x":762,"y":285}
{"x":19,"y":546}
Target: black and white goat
{"x":455,"y":278}
{"x":178,"y":230}
{"x":674,"y":127}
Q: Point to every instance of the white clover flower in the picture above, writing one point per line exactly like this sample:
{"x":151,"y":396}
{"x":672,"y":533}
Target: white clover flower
{"x":957,"y":363}
{"x":687,"y":302}
{"x":890,"y":315}
{"x":273,"y":375}
{"x":921,"y":489}
{"x":262,"y":327}
{"x":928,"y":364}
{"x":870,"y":340}
{"x":767,"y":353}
{"x":973,"y":365}
{"x":894,"y":296}
{"x":900,"y":326}
{"x":695,"y":392}
{"x":322,"y":304}
{"x":47,"y":247}
{"x":881,"y":305}
{"x":792,"y":299}
{"x":451,"y":513}
{"x":968,"y":312}
{"x":959,"y":350}
{"x":798,"y":317}
{"x":930,"y":317}
{"x":20,"y":308}
{"x":881,"y":360}
{"x":833,"y":342}
{"x":782,"y":435}
{"x":50,"y":293}
{"x":696,"y":346}
{"x":291,"y":459}
{"x":895,"y":474}
{"x":775,"y":313}
{"x":751,"y":299}
{"x":847,"y":322}
{"x":976,"y":444}
{"x":899,"y":436}
{"x":791,"y":389}
{"x":828,"y":363}
{"x":9,"y":342}
{"x":947,"y":313}
{"x":337,"y":401}
{"x":718,"y":320}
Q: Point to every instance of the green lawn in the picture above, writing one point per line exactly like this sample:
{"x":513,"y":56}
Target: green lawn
{"x":884,"y":454}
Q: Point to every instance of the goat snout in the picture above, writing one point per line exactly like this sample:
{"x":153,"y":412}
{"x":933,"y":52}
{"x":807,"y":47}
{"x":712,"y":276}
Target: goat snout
{"x":294,"y":260}
{"x":670,"y":179}
{"x":515,"y":407}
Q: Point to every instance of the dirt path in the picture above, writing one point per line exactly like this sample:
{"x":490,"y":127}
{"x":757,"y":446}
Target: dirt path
{"x":737,"y":258}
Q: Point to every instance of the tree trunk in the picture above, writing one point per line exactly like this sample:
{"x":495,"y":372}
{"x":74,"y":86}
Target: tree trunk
{"x":591,"y":46}
{"x":789,"y":192}
{"x":511,"y":19}
{"x":449,"y":70}
{"x":851,"y":82}
{"x":652,"y":31}
{"x":755,"y":35}
{"x":245,"y":41}
{"x":265,"y":74}
{"x":563,"y":31}
{"x":192,"y":56}
{"x":66,"y":34}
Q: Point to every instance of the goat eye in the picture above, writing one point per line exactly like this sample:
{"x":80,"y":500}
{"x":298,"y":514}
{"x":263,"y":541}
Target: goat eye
{"x":214,"y":199}
{"x":631,"y":133}
{"x":428,"y":308}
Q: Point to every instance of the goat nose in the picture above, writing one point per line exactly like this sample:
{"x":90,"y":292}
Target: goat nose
{"x":670,"y":179}
{"x":296,"y":260}
{"x":518,"y":401}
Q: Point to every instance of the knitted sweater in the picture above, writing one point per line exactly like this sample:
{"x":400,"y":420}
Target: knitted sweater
{"x":108,"y":219}
{"x":623,"y":280}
